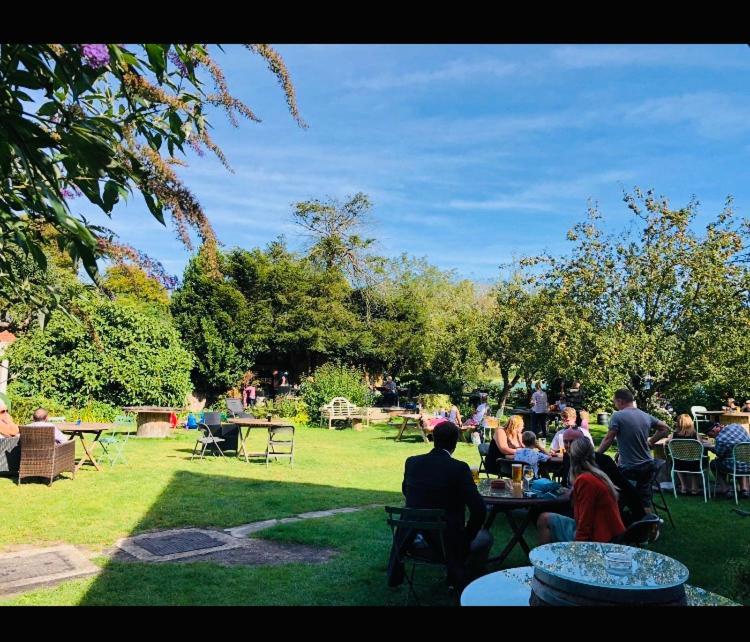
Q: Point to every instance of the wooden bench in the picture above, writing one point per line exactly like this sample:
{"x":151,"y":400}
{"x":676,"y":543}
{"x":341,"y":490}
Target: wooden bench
{"x":341,"y":409}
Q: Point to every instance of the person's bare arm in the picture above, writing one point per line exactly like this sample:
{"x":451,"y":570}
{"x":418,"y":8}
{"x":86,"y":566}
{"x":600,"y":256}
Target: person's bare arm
{"x":608,"y":440}
{"x":662,"y":430}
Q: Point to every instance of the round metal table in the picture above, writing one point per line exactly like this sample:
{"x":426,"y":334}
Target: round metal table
{"x":579,"y":573}
{"x":512,"y":587}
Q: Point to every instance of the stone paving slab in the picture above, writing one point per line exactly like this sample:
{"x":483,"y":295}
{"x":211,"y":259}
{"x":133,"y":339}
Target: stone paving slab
{"x":246,"y":529}
{"x":24,"y":569}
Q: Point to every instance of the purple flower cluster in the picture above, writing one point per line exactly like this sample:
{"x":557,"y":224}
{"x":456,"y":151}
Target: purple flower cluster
{"x":71,"y":192}
{"x":196,"y":146}
{"x":96,"y":56}
{"x":177,"y":62}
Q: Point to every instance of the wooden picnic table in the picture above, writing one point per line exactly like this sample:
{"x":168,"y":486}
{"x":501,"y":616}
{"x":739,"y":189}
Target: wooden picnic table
{"x":411,"y":420}
{"x":249,"y":423}
{"x":79,"y":430}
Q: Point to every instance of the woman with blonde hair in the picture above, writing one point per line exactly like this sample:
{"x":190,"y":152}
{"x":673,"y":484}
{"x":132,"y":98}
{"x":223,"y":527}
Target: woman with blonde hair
{"x":596,"y":515}
{"x":505,"y":442}
{"x":685,"y":429}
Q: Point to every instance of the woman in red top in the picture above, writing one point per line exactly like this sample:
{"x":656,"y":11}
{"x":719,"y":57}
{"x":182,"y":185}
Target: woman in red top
{"x":595,"y":509}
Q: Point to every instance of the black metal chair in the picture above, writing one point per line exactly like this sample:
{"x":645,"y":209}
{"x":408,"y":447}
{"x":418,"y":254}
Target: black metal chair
{"x":656,"y":490}
{"x":406,"y":524}
{"x":235,"y":409}
{"x":483,"y":450}
{"x":642,"y":532}
{"x":208,"y":439}
{"x":280,"y":437}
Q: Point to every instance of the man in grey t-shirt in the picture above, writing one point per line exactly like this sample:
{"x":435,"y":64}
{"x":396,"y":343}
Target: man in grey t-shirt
{"x":632,"y":427}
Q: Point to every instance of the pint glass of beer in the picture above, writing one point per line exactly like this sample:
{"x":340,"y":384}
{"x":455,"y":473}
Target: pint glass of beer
{"x":517,"y":473}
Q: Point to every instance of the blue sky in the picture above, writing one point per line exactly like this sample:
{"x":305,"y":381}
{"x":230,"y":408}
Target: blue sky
{"x":472,"y":155}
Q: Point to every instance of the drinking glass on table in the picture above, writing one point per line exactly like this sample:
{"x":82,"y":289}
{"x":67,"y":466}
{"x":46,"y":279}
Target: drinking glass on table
{"x":528,"y":475}
{"x":517,"y":473}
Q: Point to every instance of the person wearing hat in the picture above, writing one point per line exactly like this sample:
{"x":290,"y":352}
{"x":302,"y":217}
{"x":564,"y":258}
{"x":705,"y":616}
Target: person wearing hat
{"x":8,"y":427}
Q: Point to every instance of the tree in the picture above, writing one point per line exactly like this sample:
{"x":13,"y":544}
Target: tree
{"x":130,"y":282}
{"x":216,"y":326}
{"x":119,"y":353}
{"x":660,"y":307}
{"x":105,"y":121}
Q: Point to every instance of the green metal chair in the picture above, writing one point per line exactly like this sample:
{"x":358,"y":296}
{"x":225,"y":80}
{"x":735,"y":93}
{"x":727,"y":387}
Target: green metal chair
{"x":113,"y":443}
{"x":740,"y":455}
{"x":423,"y":520}
{"x":687,"y":450}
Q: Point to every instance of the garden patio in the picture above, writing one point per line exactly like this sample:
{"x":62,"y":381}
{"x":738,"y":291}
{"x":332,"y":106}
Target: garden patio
{"x":161,"y":489}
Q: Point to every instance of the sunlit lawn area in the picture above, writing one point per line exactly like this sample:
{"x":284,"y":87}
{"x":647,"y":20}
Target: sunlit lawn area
{"x":160,"y":488}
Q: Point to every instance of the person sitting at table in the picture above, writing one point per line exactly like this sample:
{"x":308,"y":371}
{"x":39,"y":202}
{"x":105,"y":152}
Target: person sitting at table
{"x":474,"y":423}
{"x":731,"y":405}
{"x":454,"y":416}
{"x":504,"y":443}
{"x":437,"y":480}
{"x":8,"y":427}
{"x":531,"y":453}
{"x":40,"y":421}
{"x":568,"y":418}
{"x":596,"y":515}
{"x":726,"y":439}
{"x":746,"y":406}
{"x":686,"y":430}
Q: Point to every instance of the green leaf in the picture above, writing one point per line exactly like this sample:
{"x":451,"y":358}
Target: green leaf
{"x":49,"y":109}
{"x":153,"y":207}
{"x":110,"y":195}
{"x":157,"y":58}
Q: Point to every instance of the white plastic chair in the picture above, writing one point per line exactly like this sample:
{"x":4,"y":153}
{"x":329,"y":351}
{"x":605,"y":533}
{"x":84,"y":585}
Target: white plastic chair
{"x":699,"y":416}
{"x":686,"y":450}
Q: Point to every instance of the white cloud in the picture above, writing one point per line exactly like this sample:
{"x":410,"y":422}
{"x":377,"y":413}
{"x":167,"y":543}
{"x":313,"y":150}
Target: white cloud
{"x":454,"y":71}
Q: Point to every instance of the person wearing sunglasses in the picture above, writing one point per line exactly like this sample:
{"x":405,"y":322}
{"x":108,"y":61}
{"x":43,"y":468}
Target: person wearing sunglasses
{"x":8,"y":427}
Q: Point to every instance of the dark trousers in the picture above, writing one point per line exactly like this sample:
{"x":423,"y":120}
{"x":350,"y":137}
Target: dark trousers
{"x":539,"y":424}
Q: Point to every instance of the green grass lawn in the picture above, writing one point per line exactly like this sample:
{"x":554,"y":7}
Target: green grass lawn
{"x":161,"y":488}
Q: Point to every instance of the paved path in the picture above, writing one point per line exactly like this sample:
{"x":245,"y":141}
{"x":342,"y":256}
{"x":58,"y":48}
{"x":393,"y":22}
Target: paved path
{"x":37,"y":567}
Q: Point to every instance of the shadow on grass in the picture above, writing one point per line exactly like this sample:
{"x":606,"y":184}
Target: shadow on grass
{"x":217,"y":501}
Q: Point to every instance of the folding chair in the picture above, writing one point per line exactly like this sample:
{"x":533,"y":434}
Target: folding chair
{"x":641,"y":533}
{"x":741,"y":456}
{"x":656,"y":488}
{"x":113,"y":443}
{"x":483,"y":450}
{"x":282,"y":436}
{"x":405,"y":524}
{"x":699,"y":417}
{"x":687,"y":450}
{"x":207,"y":439}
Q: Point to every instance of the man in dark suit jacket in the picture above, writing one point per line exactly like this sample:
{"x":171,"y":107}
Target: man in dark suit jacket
{"x":436,"y":480}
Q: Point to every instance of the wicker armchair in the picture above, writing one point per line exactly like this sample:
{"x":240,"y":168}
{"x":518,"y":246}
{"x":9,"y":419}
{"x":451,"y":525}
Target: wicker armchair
{"x":42,"y":457}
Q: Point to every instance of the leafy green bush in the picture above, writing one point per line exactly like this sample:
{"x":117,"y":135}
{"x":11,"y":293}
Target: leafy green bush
{"x":331,"y":380}
{"x":284,"y":407}
{"x":23,"y":408}
{"x":118,"y":354}
{"x":432,"y":402}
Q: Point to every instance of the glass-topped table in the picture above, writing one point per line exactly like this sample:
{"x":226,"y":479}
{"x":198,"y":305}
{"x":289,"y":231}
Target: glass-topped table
{"x":597,"y":573}
{"x":512,"y":587}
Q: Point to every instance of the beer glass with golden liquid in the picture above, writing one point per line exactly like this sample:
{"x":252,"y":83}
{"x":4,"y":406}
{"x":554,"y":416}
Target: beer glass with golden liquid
{"x":517,"y":473}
